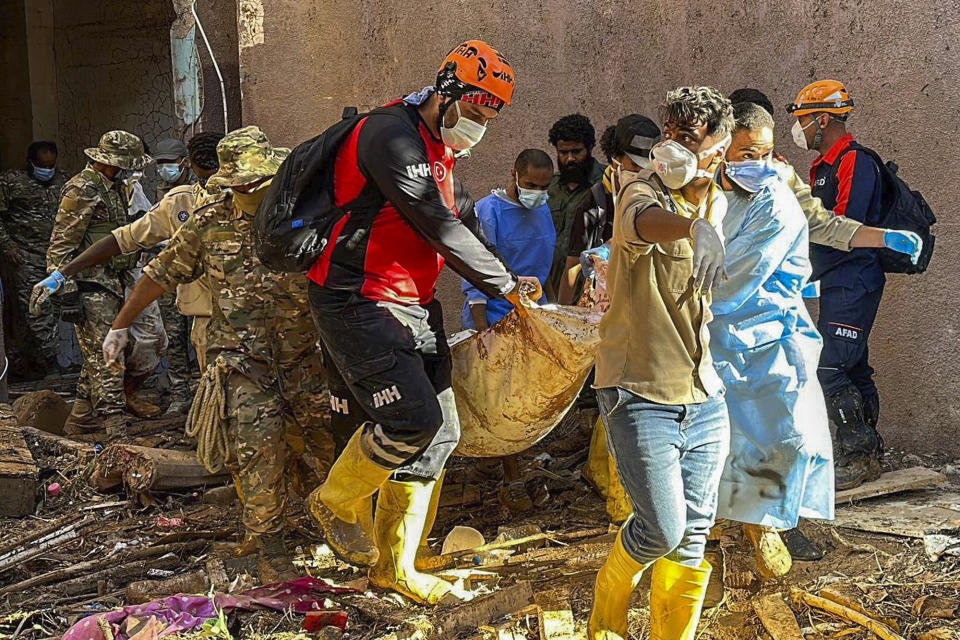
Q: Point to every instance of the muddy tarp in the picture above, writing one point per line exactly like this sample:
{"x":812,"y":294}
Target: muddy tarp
{"x":515,"y":381}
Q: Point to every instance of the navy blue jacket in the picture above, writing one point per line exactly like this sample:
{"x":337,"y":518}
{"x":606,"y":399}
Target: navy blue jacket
{"x":847,"y":180}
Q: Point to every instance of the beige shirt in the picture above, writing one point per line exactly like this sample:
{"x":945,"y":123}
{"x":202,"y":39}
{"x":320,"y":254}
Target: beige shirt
{"x":159,"y":224}
{"x":654,"y":339}
{"x":826,"y":227}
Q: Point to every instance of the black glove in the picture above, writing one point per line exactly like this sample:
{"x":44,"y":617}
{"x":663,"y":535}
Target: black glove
{"x":71,"y":308}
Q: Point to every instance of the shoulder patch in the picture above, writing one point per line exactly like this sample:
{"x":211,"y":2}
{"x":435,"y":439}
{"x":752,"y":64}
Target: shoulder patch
{"x":212,"y":207}
{"x":183,"y":216}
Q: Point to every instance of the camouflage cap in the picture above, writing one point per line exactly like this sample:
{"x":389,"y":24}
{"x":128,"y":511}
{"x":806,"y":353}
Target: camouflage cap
{"x":246,"y":156}
{"x":120,"y":149}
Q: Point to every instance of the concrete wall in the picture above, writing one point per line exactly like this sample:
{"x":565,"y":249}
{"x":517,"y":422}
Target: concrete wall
{"x":113,"y":72}
{"x":302,"y":61}
{"x":219,"y":19}
{"x":16,"y":132}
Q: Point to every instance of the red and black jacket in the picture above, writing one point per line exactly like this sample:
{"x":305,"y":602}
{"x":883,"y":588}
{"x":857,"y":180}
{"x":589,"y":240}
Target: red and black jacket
{"x":394,"y":179}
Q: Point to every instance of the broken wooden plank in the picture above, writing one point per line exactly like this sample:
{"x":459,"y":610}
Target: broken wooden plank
{"x":101,"y":563}
{"x":460,"y":495}
{"x":18,"y":472}
{"x":851,"y":600}
{"x":58,"y":444}
{"x":777,"y":618}
{"x":38,"y":533}
{"x":892,"y":482}
{"x":142,"y":469}
{"x":468,"y":616}
{"x":554,"y":615}
{"x":799,"y":596}
{"x":143,"y":591}
{"x":42,"y":544}
{"x":913,"y":516}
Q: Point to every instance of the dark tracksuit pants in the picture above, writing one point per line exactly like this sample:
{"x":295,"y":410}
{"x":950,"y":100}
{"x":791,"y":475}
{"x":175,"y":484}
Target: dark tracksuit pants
{"x":388,"y":368}
{"x":846,"y":319}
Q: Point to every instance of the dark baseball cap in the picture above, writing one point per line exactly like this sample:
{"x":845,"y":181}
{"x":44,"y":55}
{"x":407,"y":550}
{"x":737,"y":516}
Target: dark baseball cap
{"x":169,"y":149}
{"x":635,"y":135}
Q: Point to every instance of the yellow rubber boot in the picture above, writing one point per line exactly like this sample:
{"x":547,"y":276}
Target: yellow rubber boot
{"x":343,"y":503}
{"x":676,"y":599}
{"x":426,"y":559}
{"x":619,"y":506}
{"x":773,"y":558}
{"x":597,"y":470}
{"x":616,"y":581}
{"x":402,"y":511}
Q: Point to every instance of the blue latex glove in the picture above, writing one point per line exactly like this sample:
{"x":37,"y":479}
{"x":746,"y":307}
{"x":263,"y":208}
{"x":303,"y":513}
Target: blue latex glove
{"x":44,"y":289}
{"x":904,"y":242}
{"x":586,"y":264}
{"x":812,"y":290}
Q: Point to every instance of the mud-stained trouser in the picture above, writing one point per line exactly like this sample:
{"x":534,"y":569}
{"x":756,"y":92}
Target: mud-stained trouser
{"x":388,"y":368}
{"x":178,"y":358}
{"x":260,"y":412}
{"x":34,"y":340}
{"x":98,"y":383}
{"x":670,"y":459}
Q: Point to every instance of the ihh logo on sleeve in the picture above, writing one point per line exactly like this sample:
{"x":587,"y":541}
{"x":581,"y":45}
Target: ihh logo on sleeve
{"x":421,"y":170}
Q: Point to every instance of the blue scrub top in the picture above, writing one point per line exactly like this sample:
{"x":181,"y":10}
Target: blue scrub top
{"x":525,"y":238}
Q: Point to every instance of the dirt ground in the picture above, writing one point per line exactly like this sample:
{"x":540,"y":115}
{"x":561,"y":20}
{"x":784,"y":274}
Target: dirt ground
{"x":890,"y":577}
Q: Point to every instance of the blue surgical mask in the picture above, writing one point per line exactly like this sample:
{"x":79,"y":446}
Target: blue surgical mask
{"x":530,"y":198}
{"x":751,"y":175}
{"x":169,"y":171}
{"x":43,"y":174}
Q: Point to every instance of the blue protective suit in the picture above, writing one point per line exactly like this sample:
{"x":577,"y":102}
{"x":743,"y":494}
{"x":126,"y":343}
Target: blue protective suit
{"x":524,"y":238}
{"x":766,"y":348}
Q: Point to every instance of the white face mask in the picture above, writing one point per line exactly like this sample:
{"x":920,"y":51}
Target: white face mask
{"x":677,"y":166}
{"x":797,"y":131}
{"x":464,"y":134}
{"x":530,"y":198}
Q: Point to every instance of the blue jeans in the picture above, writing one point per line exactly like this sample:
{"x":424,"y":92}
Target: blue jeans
{"x":670,"y":458}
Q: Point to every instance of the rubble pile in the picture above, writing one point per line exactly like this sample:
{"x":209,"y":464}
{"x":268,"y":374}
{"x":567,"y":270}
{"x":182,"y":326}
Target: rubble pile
{"x":131,"y":537}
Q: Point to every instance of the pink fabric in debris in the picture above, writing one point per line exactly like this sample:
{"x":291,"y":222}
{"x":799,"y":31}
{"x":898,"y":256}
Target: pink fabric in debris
{"x":188,"y":613}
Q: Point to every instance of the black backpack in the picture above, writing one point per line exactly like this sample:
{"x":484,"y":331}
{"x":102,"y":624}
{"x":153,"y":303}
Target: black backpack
{"x":903,"y":209}
{"x":294,"y":220}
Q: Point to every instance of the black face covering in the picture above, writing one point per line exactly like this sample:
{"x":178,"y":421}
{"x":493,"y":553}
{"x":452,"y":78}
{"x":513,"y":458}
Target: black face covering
{"x":578,"y":172}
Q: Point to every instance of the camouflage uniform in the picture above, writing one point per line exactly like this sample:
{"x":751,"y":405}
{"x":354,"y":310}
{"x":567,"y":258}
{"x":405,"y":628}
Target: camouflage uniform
{"x":260,"y":329}
{"x":91,"y":207}
{"x":27,"y":211}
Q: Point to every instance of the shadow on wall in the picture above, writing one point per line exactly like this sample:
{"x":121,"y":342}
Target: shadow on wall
{"x":113,"y":71}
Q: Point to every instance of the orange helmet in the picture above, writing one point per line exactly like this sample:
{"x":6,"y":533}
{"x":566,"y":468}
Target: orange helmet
{"x":822,"y":96}
{"x":476,"y":72}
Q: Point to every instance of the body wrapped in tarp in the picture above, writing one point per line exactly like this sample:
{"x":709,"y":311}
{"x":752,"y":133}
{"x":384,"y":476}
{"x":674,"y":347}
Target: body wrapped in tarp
{"x":515,"y":381}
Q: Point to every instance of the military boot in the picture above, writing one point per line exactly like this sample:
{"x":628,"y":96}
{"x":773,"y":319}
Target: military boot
{"x":851,"y":471}
{"x":82,"y":420}
{"x":274,"y":562}
{"x":135,"y":405}
{"x":245,"y":547}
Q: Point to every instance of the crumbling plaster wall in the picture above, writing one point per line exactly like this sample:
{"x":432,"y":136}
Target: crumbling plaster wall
{"x":607,"y":58}
{"x":113,"y":72}
{"x":16,"y":132}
